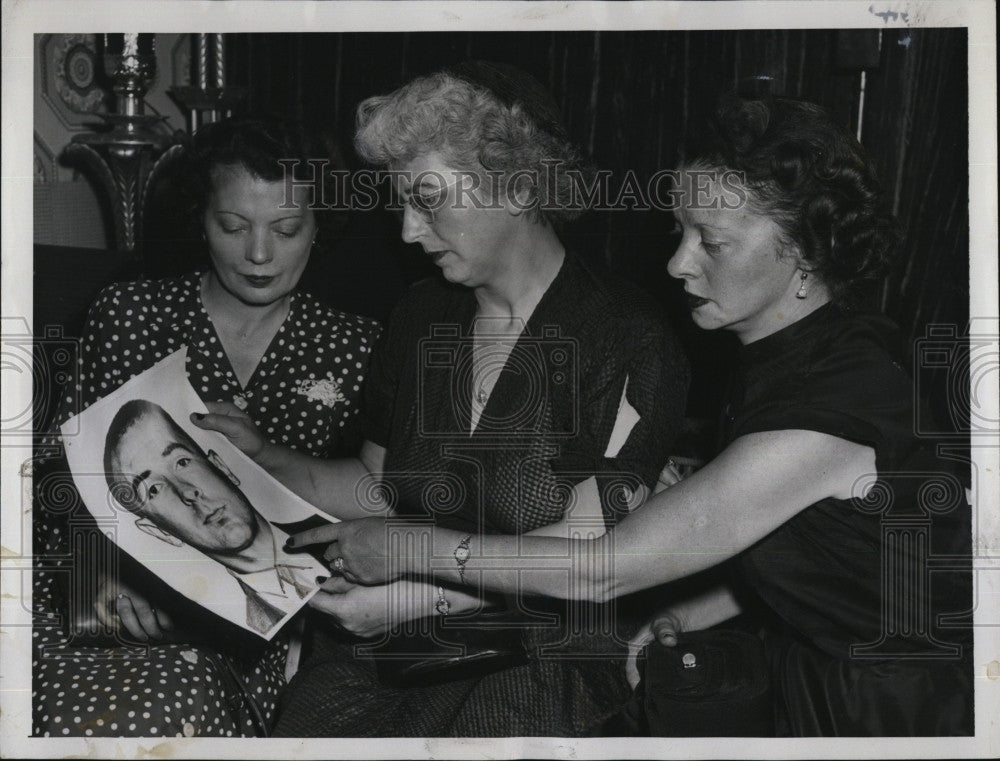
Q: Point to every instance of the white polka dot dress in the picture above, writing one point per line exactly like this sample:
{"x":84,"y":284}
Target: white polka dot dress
{"x":305,"y":393}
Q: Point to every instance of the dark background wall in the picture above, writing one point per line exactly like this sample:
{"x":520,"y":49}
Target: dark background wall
{"x":628,"y":98}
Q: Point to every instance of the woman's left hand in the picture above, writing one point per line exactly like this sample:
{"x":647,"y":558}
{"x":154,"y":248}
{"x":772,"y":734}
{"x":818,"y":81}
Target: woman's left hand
{"x":359,"y":610}
{"x":235,"y":424}
{"x":371,"y":611}
{"x":669,"y":476}
{"x":664,"y":627}
{"x":359,"y":549}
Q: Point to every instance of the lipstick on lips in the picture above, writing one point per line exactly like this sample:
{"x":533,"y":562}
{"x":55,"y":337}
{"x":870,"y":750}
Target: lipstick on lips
{"x":259,"y":281}
{"x":695,"y":301}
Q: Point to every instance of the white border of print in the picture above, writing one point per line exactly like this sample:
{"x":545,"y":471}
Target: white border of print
{"x":22,"y":19}
{"x":197,"y":576}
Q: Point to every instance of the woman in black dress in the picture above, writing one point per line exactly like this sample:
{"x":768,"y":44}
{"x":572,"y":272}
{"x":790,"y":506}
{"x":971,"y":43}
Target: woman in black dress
{"x":823,"y":501}
{"x":524,"y":390}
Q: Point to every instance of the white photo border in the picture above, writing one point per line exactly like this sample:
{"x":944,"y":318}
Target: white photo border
{"x":22,"y":20}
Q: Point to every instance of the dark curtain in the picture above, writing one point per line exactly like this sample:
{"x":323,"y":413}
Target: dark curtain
{"x":628,"y":98}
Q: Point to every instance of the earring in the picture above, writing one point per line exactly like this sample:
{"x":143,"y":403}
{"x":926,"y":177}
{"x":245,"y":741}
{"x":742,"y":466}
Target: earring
{"x":801,"y":293}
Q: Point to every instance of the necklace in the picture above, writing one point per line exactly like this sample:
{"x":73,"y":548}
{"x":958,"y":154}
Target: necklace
{"x":488,"y":363}
{"x":493,"y":342}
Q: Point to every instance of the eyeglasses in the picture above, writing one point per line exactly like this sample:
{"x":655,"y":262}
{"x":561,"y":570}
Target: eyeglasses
{"x":427,"y":203}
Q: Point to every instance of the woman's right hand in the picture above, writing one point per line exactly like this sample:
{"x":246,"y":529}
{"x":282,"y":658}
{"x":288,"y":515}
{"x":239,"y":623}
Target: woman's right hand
{"x":119,"y":605}
{"x":669,"y":476}
{"x":361,"y":550}
{"x":235,"y":425}
{"x":664,"y":627}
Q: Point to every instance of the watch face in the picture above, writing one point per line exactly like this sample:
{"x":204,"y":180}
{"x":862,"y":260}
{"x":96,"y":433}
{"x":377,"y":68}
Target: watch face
{"x":462,"y":554}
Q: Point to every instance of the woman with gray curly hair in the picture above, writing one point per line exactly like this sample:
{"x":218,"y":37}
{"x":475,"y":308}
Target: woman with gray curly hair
{"x":525,"y":391}
{"x":491,"y":124}
{"x":825,"y":514}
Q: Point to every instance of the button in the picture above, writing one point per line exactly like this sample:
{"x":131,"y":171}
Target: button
{"x":689,"y":660}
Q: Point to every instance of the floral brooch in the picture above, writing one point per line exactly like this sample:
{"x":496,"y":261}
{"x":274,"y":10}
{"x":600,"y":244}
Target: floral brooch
{"x":324,"y":390}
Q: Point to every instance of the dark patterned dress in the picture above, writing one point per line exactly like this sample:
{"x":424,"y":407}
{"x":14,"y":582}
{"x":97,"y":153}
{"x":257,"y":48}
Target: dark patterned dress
{"x":869,"y":600}
{"x":305,"y":393}
{"x":546,"y":427}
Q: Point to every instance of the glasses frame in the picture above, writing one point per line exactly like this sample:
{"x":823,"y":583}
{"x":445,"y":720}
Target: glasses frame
{"x":426,"y":211}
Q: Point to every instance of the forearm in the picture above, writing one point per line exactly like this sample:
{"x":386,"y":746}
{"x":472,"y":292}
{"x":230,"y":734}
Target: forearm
{"x":665,"y":544}
{"x":534,"y":565}
{"x":757,"y":484}
{"x":412,"y":600}
{"x":704,"y":610}
{"x":341,"y":487}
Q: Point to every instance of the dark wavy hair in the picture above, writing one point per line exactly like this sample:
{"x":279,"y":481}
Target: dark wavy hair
{"x":258,"y":144}
{"x":811,"y":177}
{"x":128,"y":416}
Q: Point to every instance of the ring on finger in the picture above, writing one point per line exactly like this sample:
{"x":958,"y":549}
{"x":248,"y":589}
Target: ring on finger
{"x":338,"y":565}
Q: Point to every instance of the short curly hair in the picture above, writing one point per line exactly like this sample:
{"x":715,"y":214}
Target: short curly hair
{"x":476,"y":128}
{"x":812,"y":178}
{"x":259,"y":144}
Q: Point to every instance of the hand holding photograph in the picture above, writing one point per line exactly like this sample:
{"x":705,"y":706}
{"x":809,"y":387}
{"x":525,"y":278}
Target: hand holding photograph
{"x":191,"y":507}
{"x":609,"y":380}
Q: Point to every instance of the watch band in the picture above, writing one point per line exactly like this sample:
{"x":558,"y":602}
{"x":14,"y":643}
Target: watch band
{"x":462,"y":554}
{"x":442,"y":606}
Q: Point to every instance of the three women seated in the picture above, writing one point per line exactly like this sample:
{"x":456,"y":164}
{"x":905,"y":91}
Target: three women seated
{"x":525,"y":402}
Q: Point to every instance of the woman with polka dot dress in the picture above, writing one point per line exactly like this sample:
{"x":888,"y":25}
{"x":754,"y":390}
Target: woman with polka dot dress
{"x":294,"y":365}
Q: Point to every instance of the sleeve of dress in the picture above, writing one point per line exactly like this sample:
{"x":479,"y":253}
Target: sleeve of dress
{"x":853,"y":389}
{"x":98,"y":370}
{"x":633,"y":394}
{"x":655,"y":397}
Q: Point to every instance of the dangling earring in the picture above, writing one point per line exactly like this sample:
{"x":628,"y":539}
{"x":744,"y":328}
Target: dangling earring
{"x":802,"y":293}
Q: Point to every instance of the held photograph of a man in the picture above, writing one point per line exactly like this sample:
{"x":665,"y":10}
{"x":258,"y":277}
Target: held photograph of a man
{"x":188,"y":505}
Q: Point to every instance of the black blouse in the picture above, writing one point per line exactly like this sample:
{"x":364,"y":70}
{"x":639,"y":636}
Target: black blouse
{"x":852,"y":579}
{"x":548,"y":421}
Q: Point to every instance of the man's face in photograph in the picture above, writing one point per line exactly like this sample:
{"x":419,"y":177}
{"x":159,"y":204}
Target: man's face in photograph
{"x":180,"y":490}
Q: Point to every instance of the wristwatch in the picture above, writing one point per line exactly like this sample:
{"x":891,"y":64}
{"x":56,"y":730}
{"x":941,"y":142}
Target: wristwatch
{"x":462,"y":555}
